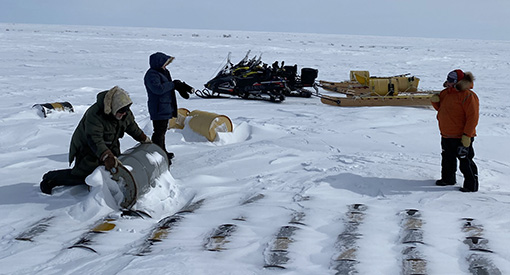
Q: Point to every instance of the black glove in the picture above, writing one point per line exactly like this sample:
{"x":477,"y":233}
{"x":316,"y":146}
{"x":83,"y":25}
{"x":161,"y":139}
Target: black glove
{"x":184,"y":89}
{"x":177,"y":84}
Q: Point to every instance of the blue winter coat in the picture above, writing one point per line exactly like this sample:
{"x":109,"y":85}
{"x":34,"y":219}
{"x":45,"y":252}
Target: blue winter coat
{"x":160,"y":89}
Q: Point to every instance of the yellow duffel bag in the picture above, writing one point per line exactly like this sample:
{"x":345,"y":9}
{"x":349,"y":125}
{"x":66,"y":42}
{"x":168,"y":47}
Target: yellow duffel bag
{"x":406,"y":84}
{"x":362,"y":77}
{"x":382,"y":87}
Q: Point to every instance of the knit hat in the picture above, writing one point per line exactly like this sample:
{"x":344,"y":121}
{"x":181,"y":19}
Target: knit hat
{"x":115,"y":99}
{"x":455,"y":76}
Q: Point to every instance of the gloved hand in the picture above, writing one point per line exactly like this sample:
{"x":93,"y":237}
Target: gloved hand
{"x":177,"y":84}
{"x":435,"y":98}
{"x":184,"y":89}
{"x":465,"y":140}
{"x":110,"y":161}
{"x":144,"y":139}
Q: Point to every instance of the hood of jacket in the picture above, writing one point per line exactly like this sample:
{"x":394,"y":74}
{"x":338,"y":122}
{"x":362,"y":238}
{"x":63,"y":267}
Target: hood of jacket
{"x":113,"y":100}
{"x":157,"y":60}
{"x":466,"y":82}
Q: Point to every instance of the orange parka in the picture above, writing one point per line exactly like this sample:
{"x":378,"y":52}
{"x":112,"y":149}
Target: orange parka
{"x":458,"y":112}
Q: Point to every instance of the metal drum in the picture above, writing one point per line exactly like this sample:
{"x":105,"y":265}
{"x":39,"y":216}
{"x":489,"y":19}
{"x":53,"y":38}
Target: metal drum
{"x":145,"y":162}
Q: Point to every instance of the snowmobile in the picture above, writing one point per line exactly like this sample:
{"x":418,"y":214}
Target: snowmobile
{"x":297,"y":83}
{"x":248,"y":79}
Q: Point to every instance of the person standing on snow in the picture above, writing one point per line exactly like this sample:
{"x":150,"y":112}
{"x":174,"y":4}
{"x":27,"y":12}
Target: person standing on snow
{"x":162,"y":102}
{"x":458,"y":113}
{"x":95,"y":140}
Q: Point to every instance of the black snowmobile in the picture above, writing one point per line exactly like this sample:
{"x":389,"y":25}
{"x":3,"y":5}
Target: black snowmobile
{"x":297,"y":84}
{"x":248,"y":79}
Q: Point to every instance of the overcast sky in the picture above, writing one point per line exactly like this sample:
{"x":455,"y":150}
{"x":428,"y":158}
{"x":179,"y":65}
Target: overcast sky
{"x":478,"y":19}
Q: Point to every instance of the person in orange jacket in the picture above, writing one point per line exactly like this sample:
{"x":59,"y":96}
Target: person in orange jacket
{"x":457,"y":114}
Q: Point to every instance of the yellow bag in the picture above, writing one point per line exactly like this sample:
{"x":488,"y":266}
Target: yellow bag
{"x":362,"y":77}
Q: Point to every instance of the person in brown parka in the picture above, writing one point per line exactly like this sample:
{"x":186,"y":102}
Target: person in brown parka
{"x":95,"y":140}
{"x":457,"y":113}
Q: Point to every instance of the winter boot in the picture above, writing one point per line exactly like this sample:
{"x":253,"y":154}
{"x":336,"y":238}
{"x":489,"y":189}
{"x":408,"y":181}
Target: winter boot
{"x":46,"y":186}
{"x":443,"y":183}
{"x":170,"y":156}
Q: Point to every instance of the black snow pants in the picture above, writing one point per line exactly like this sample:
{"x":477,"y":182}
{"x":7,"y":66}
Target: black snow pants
{"x":467,"y":166}
{"x":63,"y":177}
{"x":160,"y":128}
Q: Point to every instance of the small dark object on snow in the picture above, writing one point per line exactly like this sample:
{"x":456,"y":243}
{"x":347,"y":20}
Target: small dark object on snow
{"x":47,"y":108}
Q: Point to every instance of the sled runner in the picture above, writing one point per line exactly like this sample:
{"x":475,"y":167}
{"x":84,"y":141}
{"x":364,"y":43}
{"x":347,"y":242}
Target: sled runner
{"x":359,"y":101}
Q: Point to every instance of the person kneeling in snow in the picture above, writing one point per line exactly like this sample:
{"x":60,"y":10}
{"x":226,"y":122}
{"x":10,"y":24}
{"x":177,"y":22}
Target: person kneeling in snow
{"x":458,"y":112}
{"x":95,"y":140}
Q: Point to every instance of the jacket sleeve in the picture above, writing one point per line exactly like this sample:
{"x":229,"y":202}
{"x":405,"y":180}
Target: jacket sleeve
{"x":471,"y":107}
{"x":436,"y":105}
{"x":132,"y":128}
{"x":154,"y":84}
{"x":94,"y":131}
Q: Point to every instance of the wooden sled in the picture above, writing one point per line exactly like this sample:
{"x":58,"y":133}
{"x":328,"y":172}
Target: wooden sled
{"x":365,"y":90}
{"x":359,"y":101}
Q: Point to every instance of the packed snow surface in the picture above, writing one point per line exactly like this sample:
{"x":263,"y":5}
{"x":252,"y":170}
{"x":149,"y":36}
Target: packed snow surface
{"x":301,"y":155}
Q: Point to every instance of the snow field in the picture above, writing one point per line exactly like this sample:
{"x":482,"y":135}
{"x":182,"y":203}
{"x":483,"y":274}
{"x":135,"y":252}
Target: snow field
{"x":302,"y":155}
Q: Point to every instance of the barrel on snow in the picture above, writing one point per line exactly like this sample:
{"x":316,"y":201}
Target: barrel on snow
{"x":178,"y":122}
{"x":145,"y":162}
{"x":204,"y":123}
{"x":46,"y":108}
{"x":209,"y":124}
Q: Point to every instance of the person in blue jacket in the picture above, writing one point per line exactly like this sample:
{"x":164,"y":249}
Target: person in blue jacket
{"x":162,"y":101}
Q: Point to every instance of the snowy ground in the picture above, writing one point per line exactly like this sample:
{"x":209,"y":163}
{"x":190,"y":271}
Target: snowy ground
{"x":303,"y":156}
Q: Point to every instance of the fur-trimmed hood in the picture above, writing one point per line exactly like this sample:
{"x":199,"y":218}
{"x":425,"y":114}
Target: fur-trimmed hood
{"x":158,"y":60}
{"x":466,"y":83}
{"x":115,"y":99}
